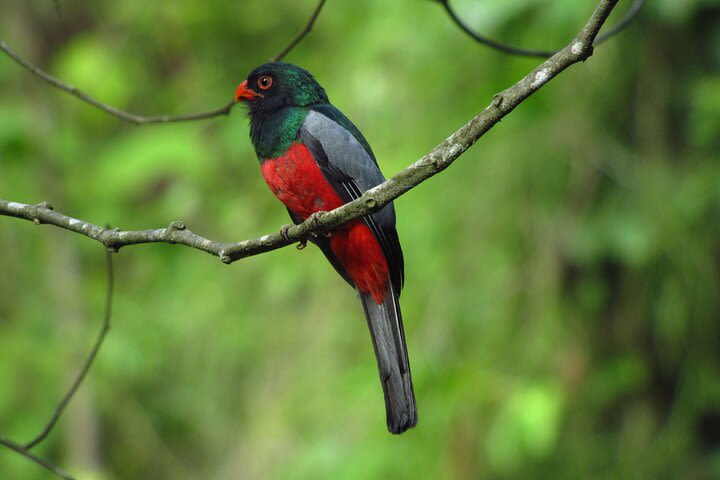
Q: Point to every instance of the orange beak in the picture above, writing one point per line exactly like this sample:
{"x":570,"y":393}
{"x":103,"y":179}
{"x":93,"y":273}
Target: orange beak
{"x":244,"y":93}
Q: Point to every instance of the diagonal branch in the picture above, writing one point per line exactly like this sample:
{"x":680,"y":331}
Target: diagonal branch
{"x":25,"y":449}
{"x":301,"y":35}
{"x":39,"y":460}
{"x":142,"y":119}
{"x":88,"y":361}
{"x":437,"y":160}
{"x":511,"y":50}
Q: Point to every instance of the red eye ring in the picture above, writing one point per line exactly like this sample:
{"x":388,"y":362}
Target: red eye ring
{"x":265,"y":82}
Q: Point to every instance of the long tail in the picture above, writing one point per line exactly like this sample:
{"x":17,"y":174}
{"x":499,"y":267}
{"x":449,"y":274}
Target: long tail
{"x":388,"y":336}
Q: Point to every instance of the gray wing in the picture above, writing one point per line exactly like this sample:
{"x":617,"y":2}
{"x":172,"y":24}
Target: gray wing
{"x":349,"y":166}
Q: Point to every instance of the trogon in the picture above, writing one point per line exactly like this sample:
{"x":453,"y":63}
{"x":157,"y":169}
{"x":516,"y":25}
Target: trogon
{"x":314,"y":159}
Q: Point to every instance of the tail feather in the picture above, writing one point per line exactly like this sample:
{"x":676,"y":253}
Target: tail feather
{"x":388,"y":336}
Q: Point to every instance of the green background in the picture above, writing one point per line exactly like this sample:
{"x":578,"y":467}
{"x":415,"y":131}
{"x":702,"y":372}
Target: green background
{"x":561,"y":301}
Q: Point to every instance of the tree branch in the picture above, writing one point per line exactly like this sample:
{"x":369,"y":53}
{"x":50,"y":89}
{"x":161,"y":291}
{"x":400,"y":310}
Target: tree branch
{"x":511,"y":50}
{"x":88,"y":361}
{"x":437,"y":160}
{"x":501,"y":47}
{"x":142,"y":119}
{"x":302,"y":34}
{"x":626,"y":20}
{"x":130,"y":117}
{"x":25,"y":449}
{"x":39,"y":460}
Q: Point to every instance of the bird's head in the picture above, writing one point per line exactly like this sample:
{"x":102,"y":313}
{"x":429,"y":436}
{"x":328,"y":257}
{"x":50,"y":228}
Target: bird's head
{"x":276,"y":85}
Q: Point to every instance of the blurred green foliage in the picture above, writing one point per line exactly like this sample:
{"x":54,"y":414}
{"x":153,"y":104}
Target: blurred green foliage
{"x":561,"y":301}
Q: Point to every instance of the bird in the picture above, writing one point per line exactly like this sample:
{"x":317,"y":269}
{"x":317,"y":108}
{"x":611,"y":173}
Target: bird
{"x":315,"y":159}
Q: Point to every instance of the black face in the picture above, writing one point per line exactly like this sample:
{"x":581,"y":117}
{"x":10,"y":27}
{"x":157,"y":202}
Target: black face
{"x":277,"y":85}
{"x":269,"y":89}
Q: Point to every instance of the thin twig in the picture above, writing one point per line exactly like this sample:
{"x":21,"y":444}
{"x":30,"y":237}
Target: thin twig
{"x":130,"y":117}
{"x":511,"y":50}
{"x":142,"y":119}
{"x":371,"y":201}
{"x":88,"y":361}
{"x":302,"y":34}
{"x":25,"y":449}
{"x":39,"y":460}
{"x":626,"y":20}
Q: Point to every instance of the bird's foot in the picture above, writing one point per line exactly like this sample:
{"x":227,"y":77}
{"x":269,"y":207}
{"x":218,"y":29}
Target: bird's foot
{"x":284,"y":231}
{"x":314,"y":218}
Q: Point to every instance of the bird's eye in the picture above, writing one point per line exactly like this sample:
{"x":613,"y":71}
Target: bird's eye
{"x":264,"y":82}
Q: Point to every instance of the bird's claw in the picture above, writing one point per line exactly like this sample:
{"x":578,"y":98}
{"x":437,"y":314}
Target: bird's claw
{"x":301,"y":244}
